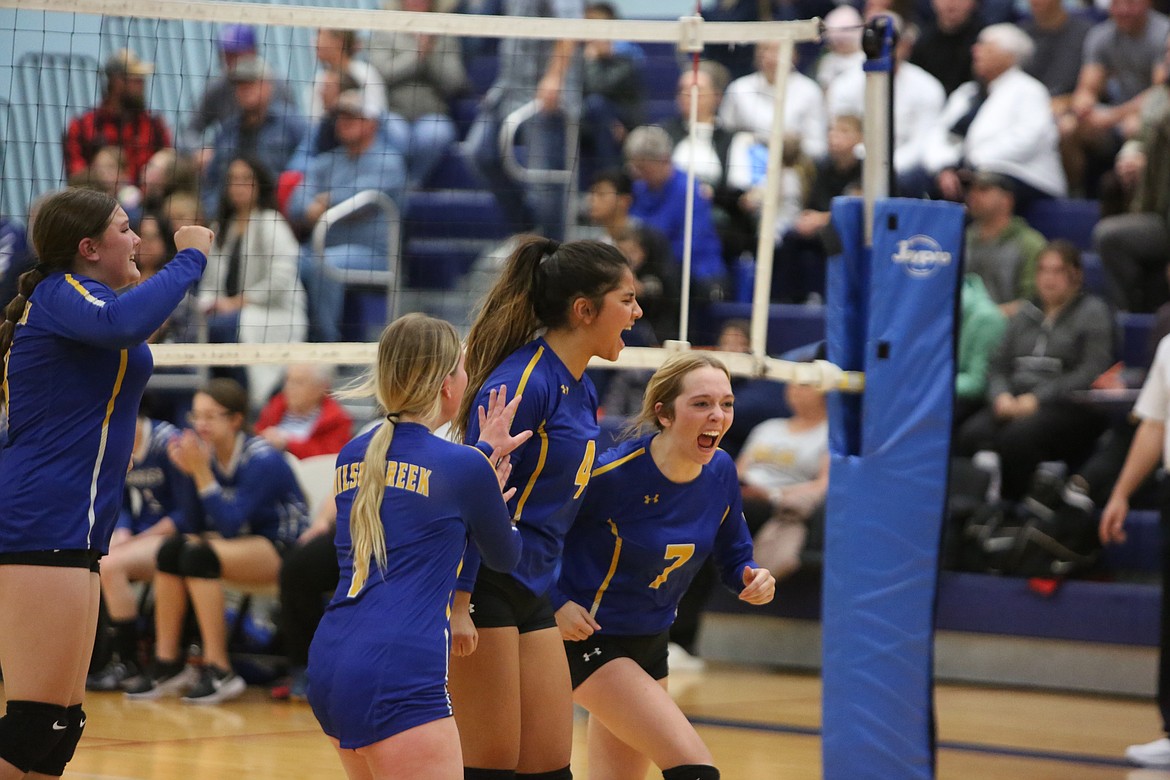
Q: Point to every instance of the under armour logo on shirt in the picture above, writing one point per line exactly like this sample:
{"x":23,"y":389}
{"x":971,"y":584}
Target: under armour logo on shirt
{"x":594,"y":651}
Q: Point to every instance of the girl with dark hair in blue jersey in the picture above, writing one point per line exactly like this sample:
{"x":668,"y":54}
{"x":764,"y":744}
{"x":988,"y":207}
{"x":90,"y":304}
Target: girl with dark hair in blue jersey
{"x":554,"y":307}
{"x":407,"y":501}
{"x":657,"y":506}
{"x":76,"y":363}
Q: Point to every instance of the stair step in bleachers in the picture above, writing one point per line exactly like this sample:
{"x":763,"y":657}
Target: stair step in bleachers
{"x":440,"y":263}
{"x":789,"y":325}
{"x":454,"y":214}
{"x":1134,"y":336}
{"x":1069,"y":218}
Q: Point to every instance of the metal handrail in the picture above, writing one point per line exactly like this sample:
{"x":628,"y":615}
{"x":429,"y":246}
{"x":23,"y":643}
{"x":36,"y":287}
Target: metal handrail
{"x":510,"y":127}
{"x":388,"y":278}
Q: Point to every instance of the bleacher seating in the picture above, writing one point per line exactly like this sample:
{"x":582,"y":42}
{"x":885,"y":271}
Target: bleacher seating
{"x":1069,"y":218}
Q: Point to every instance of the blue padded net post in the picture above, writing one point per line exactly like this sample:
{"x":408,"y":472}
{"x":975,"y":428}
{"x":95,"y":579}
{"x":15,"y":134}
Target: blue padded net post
{"x":892,"y":315}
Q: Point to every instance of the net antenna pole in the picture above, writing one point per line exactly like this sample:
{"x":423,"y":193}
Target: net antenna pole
{"x":690,"y":41}
{"x":878,"y":41}
{"x":766,"y":245}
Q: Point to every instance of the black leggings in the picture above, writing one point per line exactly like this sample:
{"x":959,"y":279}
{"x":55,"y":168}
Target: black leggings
{"x":309,"y":574}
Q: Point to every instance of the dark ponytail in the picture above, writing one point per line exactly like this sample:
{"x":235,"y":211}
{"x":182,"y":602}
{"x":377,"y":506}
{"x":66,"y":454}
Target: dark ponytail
{"x":59,"y":222}
{"x":540,"y":281}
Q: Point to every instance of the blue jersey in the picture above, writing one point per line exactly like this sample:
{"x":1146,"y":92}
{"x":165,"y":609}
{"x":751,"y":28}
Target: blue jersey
{"x":551,"y":470}
{"x":640,"y":539}
{"x":75,"y":376}
{"x":155,"y":488}
{"x":257,"y":494}
{"x":378,"y":662}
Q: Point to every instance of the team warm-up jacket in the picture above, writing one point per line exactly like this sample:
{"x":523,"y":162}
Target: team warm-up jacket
{"x":155,"y":488}
{"x":75,"y":376}
{"x":551,"y":470}
{"x":640,"y":539}
{"x":255,"y":494}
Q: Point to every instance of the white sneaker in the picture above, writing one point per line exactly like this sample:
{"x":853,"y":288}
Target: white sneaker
{"x":1151,"y":754}
{"x":215,"y":685}
{"x":680,"y":660}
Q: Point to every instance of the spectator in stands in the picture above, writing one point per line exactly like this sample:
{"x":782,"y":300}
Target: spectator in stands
{"x":166,"y":172}
{"x":722,"y":160}
{"x":738,"y":58}
{"x":15,"y":256}
{"x":264,"y":129}
{"x":422,"y":74}
{"x":218,"y":103}
{"x":1148,"y":451}
{"x":655,"y":280}
{"x":1059,"y":38}
{"x":918,"y":102}
{"x":944,"y":49}
{"x":784,"y":476}
{"x":756,"y":400}
{"x":660,"y":200}
{"x":307,"y":578}
{"x":247,"y":510}
{"x":337,"y":51}
{"x":362,"y":162}
{"x":981,"y":327}
{"x":1000,"y":122}
{"x":798,"y":273}
{"x":182,"y":208}
{"x":250,"y":293}
{"x":120,"y":120}
{"x":1055,"y":345}
{"x":613,"y":94}
{"x":842,"y":38}
{"x":1134,"y":246}
{"x":1120,"y":61}
{"x":549,"y":73}
{"x":303,"y":419}
{"x":151,"y":513}
{"x":748,"y":104}
{"x":156,"y":248}
{"x":1001,"y":249}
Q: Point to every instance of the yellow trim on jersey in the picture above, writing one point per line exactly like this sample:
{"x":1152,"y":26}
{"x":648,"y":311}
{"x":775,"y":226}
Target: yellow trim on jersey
{"x":597,"y":472}
{"x":76,"y":285}
{"x":726,"y":512}
{"x":124,"y":356}
{"x":535,"y":472}
{"x":617,"y":551}
{"x":528,"y":371}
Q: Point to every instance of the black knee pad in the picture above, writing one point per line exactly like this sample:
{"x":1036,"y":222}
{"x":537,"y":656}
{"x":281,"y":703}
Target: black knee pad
{"x":691,"y":772}
{"x":169,"y":555}
{"x":200,"y":562}
{"x":557,"y":774}
{"x":53,"y":764}
{"x":29,"y":731}
{"x":470,"y":773}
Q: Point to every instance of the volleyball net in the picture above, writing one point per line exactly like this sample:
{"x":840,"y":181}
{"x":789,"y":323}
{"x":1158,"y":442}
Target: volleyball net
{"x":411,"y":211}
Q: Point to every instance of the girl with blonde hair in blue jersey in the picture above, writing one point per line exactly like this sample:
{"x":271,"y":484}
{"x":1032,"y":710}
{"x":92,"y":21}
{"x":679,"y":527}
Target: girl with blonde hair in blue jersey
{"x":407,"y":504}
{"x":76,"y":364}
{"x":659,"y":505}
{"x":554,"y":308}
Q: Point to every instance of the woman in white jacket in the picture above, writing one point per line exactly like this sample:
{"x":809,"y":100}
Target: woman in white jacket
{"x":1001,"y":122}
{"x":250,"y":292}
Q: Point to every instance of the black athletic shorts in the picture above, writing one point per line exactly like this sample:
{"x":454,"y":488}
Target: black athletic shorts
{"x":71,"y":559}
{"x":499,"y":601}
{"x":647,"y":651}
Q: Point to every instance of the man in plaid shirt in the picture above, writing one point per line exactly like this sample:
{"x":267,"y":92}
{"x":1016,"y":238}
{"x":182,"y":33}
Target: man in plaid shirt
{"x":120,"y":120}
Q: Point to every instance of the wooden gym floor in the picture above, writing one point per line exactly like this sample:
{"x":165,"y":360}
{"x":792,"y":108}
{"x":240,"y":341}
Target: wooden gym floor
{"x":758,"y":723}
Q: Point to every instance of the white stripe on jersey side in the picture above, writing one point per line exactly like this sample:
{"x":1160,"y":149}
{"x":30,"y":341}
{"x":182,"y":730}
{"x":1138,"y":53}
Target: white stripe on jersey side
{"x":101,"y":453}
{"x":76,"y":285}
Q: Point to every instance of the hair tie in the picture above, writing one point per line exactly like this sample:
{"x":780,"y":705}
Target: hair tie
{"x":42,"y":269}
{"x":393,"y":417}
